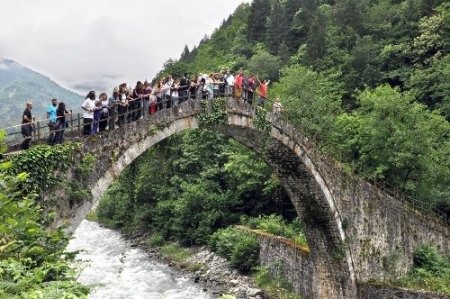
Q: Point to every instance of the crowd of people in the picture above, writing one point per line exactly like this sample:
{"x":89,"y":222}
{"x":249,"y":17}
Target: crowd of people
{"x":126,"y":104}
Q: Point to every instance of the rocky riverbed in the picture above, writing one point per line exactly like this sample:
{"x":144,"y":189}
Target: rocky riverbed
{"x":215,"y":275}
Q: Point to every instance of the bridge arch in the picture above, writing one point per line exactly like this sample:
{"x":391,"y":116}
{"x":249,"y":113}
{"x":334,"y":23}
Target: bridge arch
{"x":339,"y":257}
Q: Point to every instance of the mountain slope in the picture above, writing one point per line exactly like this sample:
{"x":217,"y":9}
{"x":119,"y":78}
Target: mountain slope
{"x":19,"y":84}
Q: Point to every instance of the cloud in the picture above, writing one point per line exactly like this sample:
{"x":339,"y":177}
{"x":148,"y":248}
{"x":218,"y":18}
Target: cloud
{"x":97,"y":44}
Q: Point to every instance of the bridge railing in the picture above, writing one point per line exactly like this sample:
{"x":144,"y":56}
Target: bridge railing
{"x":73,"y":127}
{"x":248,"y":101}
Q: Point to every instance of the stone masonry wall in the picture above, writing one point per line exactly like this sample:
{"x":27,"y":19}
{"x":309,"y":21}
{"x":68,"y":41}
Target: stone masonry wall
{"x":290,"y":263}
{"x":367,"y":291}
{"x":294,"y":265}
{"x":381,"y":232}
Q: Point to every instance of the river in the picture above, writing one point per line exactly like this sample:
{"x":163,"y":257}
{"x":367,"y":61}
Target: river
{"x":116,"y":270}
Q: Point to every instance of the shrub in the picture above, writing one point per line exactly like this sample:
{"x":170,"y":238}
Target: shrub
{"x":241,"y":249}
{"x":277,"y":225}
{"x":431,"y":271}
{"x":427,"y":257}
{"x":274,"y":287}
{"x":155,"y":240}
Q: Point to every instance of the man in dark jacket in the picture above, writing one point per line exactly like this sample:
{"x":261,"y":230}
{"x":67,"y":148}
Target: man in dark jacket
{"x":183,"y":89}
{"x":27,"y":126}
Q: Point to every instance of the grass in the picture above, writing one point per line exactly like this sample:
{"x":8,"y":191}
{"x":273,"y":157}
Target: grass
{"x":175,"y":252}
{"x":179,"y":255}
{"x":420,"y":279}
{"x":92,"y":216}
{"x":274,"y":287}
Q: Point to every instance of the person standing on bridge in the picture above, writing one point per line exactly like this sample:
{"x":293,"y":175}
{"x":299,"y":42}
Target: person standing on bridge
{"x":146,"y":97}
{"x":123,"y":104}
{"x":229,"y":78}
{"x":88,"y":112}
{"x":183,"y":89}
{"x":104,"y":114}
{"x":52,"y":118}
{"x":61,"y":114}
{"x":113,"y":103}
{"x":251,"y":89}
{"x":263,"y":87}
{"x":238,"y":80}
{"x":27,"y":126}
{"x":138,"y":95}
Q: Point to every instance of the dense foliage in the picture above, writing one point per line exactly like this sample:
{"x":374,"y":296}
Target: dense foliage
{"x":368,"y":81}
{"x":431,"y":271}
{"x":33,"y":263}
{"x":189,"y":186}
{"x":278,"y":226}
{"x":42,"y":164}
{"x":240,"y":248}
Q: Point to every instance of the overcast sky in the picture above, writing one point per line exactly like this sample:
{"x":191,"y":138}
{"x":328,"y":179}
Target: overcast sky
{"x":101,"y":43}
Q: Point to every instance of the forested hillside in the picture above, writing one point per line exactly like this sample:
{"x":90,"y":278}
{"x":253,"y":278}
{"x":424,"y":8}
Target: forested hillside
{"x":369,"y":81}
{"x":19,"y":84}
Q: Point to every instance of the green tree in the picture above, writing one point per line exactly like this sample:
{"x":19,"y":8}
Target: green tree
{"x":313,"y":101}
{"x":277,"y":27}
{"x":32,"y":259}
{"x":283,"y":53}
{"x":257,"y":20}
{"x":265,"y":65}
{"x":351,"y":13}
{"x":434,"y":31}
{"x":432,"y":85}
{"x":393,"y":138}
{"x":315,"y":42}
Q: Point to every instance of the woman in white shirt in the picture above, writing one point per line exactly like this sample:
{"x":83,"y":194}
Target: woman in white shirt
{"x":88,"y":112}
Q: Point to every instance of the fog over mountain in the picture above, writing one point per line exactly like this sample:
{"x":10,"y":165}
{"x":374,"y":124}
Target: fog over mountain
{"x":97,"y":44}
{"x":18,"y":84}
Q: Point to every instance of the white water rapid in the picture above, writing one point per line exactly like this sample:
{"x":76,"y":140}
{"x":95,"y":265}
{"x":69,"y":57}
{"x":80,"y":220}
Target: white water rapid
{"x":118,"y":271}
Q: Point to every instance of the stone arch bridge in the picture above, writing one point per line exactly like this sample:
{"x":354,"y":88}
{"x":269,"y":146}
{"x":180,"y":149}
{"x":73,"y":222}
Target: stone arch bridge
{"x":355,"y":231}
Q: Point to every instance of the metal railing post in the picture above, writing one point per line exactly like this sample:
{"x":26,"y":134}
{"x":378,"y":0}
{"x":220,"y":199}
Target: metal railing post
{"x":38,"y":125}
{"x":79,"y":124}
{"x":71,"y":122}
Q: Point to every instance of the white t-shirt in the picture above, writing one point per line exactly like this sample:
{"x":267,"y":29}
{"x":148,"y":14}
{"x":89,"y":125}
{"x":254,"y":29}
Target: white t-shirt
{"x":230,"y":80}
{"x":167,"y":87}
{"x":89,"y":105}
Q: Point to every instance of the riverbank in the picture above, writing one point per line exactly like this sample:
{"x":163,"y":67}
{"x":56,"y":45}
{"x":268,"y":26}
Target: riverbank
{"x":203,"y":267}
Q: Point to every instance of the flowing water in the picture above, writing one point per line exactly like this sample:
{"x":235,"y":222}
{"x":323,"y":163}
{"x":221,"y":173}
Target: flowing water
{"x":116,"y":270}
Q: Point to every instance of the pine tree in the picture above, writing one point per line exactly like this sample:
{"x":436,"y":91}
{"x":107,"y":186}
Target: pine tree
{"x":315,"y":43}
{"x":351,"y":13}
{"x":257,"y":20}
{"x":299,"y":14}
{"x":277,"y":27}
{"x":284,"y":53}
{"x":185,"y":53}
